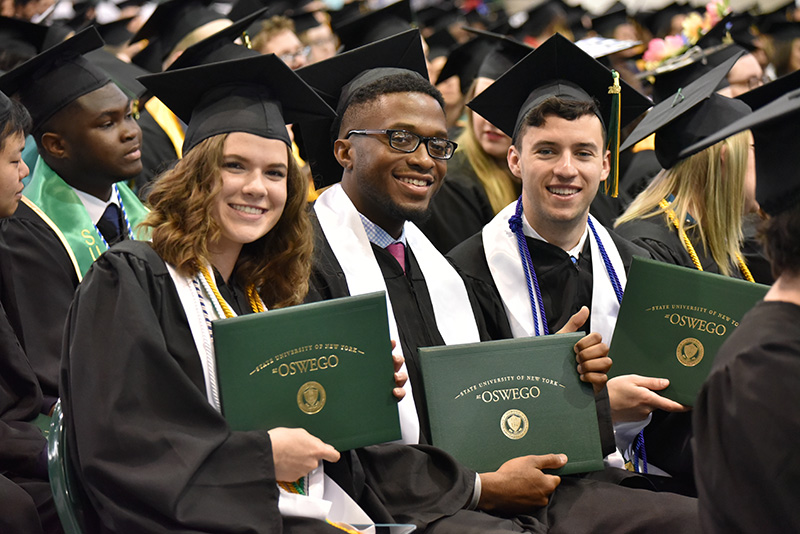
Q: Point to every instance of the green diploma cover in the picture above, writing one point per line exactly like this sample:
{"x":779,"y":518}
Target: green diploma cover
{"x":493,"y":401}
{"x":325,"y":367}
{"x":672,"y":322}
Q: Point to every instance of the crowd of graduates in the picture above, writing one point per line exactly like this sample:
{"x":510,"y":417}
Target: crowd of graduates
{"x":494,"y":168}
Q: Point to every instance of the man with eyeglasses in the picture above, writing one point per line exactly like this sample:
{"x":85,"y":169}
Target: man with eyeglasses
{"x":277,"y":37}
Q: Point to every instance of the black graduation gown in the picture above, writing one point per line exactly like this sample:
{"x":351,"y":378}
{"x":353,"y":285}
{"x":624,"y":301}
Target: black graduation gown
{"x":156,"y":457}
{"x":565,"y":286}
{"x":747,"y":427}
{"x":24,"y":485}
{"x":578,"y":505}
{"x":459,"y":209}
{"x":657,"y":235}
{"x":36,"y":289}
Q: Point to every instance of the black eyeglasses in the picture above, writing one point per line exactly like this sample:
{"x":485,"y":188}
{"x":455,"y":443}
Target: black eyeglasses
{"x":405,"y":141}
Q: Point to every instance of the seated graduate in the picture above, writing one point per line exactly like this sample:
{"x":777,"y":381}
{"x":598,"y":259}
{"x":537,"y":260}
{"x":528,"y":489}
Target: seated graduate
{"x":691,"y":214}
{"x":230,"y":236}
{"x":76,"y":203}
{"x":547,"y":241}
{"x":746,"y":415}
{"x":23,"y":458}
{"x":386,"y":183}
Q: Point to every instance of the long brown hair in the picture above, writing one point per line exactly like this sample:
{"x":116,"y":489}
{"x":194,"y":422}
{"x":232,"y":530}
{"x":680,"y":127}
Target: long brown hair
{"x":278,"y":264}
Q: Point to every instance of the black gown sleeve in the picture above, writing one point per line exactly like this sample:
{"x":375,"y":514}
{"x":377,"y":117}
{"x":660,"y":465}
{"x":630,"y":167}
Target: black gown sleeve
{"x":153,"y":453}
{"x":38,"y":283}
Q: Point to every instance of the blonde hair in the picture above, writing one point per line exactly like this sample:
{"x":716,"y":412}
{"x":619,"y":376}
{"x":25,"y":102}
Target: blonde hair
{"x":270,"y":28}
{"x":710,"y":188}
{"x":278,"y":264}
{"x":502,"y":187}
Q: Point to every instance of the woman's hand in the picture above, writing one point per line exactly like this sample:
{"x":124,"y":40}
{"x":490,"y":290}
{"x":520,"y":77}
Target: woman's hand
{"x":295,"y":453}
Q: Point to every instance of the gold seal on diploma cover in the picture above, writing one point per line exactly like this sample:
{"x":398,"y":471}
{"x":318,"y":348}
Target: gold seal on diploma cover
{"x":311,"y":397}
{"x":514,"y":424}
{"x":690,"y":352}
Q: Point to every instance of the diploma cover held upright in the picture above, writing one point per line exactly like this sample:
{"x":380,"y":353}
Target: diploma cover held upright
{"x":326,"y":367}
{"x":493,"y":401}
{"x":673,"y":320}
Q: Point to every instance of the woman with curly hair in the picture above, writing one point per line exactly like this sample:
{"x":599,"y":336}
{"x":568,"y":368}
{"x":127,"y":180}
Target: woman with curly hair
{"x":230,"y":235}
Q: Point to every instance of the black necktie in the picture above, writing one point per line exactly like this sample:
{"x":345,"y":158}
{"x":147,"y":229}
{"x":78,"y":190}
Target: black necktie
{"x":109,"y":224}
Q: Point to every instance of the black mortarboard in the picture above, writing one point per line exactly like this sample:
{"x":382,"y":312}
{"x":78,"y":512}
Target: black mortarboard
{"x":659,"y":22}
{"x":21,"y":38}
{"x":347,"y":12}
{"x":5,"y":107}
{"x":440,"y":43}
{"x":692,"y":114}
{"x":438,"y":16}
{"x":170,"y":22}
{"x":56,"y":77}
{"x":557,"y":68}
{"x":115,"y":33}
{"x":606,"y":23}
{"x":123,"y":74}
{"x":243,"y":8}
{"x":256,"y":95}
{"x":375,"y":25}
{"x":774,"y":127}
{"x":671,"y":76}
{"x":779,"y":13}
{"x":533,"y":22}
{"x":760,"y":96}
{"x":785,"y":31}
{"x":305,"y":21}
{"x":220,"y":46}
{"x":337,"y":78}
{"x":488,"y":55}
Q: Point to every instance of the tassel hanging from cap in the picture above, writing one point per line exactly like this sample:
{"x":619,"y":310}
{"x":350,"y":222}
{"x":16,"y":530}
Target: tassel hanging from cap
{"x":612,"y":182}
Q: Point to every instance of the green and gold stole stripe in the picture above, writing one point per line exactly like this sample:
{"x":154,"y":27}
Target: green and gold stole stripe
{"x":61,"y":209}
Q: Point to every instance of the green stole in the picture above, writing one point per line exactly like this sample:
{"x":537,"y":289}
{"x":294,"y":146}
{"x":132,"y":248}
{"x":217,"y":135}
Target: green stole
{"x":56,"y":203}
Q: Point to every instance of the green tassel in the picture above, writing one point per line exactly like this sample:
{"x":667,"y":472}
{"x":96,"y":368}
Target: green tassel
{"x":612,"y":182}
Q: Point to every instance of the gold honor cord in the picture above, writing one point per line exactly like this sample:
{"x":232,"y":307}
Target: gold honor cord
{"x":615,"y":91}
{"x":252,"y":295}
{"x":687,"y":244}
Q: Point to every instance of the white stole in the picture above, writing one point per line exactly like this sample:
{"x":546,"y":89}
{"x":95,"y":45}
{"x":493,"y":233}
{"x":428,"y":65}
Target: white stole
{"x":502,"y":254}
{"x":324,"y":499}
{"x":348,"y":240}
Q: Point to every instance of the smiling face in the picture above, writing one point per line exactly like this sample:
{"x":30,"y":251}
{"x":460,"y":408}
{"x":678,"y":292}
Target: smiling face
{"x":492,"y":140}
{"x":254,"y":176}
{"x":12,"y":171}
{"x":388,"y":186}
{"x":561,"y":164}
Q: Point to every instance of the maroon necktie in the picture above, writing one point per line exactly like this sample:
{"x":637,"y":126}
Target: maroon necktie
{"x":398,"y":250}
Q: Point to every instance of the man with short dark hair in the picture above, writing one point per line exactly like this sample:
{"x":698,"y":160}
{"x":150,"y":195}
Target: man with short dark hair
{"x":74,"y":207}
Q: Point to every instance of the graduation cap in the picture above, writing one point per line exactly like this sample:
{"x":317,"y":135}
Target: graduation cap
{"x":439,"y":16}
{"x":220,"y":46}
{"x":534,"y":21}
{"x":50,"y":81}
{"x":488,"y":55}
{"x":305,"y":21}
{"x":375,"y":25}
{"x":440,"y":43}
{"x":785,"y":31}
{"x":606,"y":23}
{"x":115,"y":33}
{"x":559,"y":68}
{"x":167,"y":26}
{"x":659,"y":22}
{"x":123,"y":74}
{"x":256,"y":95}
{"x":774,"y":128}
{"x":336,"y":80}
{"x":21,"y":38}
{"x":670,"y":77}
{"x":691,"y":114}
